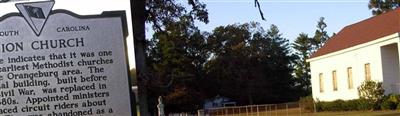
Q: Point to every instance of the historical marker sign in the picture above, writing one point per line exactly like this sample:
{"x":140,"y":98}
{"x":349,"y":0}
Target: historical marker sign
{"x":57,"y":63}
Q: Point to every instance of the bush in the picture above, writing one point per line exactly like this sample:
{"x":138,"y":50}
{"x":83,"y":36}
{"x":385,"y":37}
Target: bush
{"x":371,"y":91}
{"x":363,"y":104}
{"x":398,"y":106}
{"x":324,"y":106}
{"x":388,"y":105}
{"x":350,"y":105}
{"x":390,"y":102}
{"x":337,"y":105}
{"x":318,"y":106}
{"x":394,"y":98}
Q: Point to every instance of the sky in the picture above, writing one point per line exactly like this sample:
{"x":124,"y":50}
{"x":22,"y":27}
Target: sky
{"x":291,"y":16}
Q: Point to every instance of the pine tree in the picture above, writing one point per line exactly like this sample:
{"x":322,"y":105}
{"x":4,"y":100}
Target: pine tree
{"x":303,"y":48}
{"x":320,"y":36}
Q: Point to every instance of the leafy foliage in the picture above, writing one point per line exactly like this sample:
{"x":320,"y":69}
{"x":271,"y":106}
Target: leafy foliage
{"x":243,"y":62}
{"x":390,"y":102}
{"x":161,"y":12}
{"x":176,"y":58}
{"x":394,"y":98}
{"x":320,"y":36}
{"x":304,"y":46}
{"x":371,"y":90}
{"x":364,"y":104}
{"x":388,"y":105}
{"x":250,"y":65}
{"x":382,"y":6}
{"x":341,"y":105}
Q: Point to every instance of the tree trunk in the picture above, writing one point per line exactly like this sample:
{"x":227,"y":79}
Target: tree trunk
{"x":138,"y":20}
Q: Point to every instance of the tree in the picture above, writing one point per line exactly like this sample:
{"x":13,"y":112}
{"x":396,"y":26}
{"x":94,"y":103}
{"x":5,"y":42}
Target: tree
{"x":157,"y":12}
{"x":303,"y":46}
{"x":279,"y":63}
{"x":161,"y":12}
{"x":382,"y":6}
{"x":228,"y":67}
{"x":250,"y":65}
{"x":176,"y":58}
{"x":320,"y":36}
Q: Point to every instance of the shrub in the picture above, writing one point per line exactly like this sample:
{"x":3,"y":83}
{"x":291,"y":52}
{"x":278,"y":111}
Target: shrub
{"x":398,"y":106}
{"x":319,"y":106}
{"x":394,"y":98}
{"x":324,"y":106}
{"x":371,"y":90}
{"x":337,"y":105}
{"x":390,"y":102}
{"x":350,"y":105}
{"x":388,"y":105}
{"x":363,"y":104}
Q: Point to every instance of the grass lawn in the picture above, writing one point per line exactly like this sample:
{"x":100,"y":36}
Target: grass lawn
{"x":348,"y":113}
{"x":356,"y":113}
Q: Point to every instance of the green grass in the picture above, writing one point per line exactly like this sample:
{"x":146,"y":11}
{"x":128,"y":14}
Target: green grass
{"x":356,"y":113}
{"x":347,"y":113}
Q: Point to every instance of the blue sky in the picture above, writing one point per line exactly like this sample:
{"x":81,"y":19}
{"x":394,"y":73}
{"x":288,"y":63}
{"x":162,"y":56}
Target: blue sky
{"x":291,"y":16}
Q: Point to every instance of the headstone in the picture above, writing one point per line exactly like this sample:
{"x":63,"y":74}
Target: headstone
{"x":58,"y":63}
{"x":160,"y":107}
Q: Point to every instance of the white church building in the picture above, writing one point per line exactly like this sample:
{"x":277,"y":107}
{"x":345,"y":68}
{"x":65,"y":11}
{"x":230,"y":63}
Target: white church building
{"x":367,"y":50}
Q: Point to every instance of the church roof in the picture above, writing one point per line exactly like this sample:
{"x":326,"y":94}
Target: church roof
{"x":362,"y":32}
